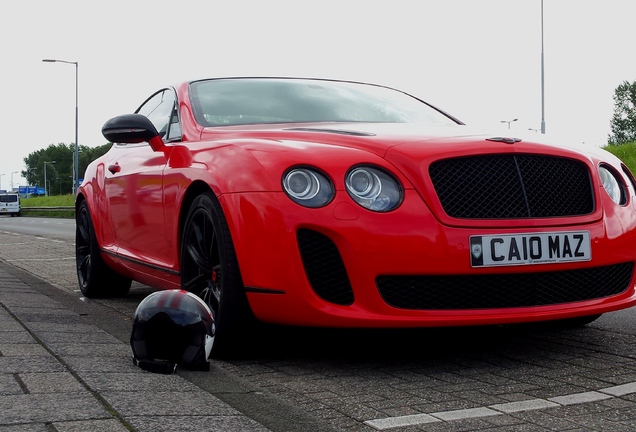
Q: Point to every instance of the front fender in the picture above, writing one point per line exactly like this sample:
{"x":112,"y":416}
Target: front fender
{"x":92,"y":190}
{"x":232,"y":168}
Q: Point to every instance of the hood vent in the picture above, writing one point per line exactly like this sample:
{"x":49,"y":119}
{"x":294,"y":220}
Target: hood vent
{"x":507,"y":140}
{"x":336,"y":131}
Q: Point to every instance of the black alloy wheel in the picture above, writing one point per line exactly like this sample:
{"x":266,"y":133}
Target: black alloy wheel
{"x":209,"y":269}
{"x":95,"y":278}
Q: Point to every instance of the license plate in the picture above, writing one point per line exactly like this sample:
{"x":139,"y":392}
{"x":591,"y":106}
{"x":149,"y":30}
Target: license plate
{"x":529,"y":248}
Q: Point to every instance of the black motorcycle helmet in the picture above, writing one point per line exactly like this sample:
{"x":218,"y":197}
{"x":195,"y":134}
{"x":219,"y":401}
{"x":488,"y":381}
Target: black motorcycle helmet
{"x":171,"y":328}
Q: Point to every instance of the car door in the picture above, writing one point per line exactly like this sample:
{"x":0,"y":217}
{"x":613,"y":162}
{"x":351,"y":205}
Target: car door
{"x":134,"y":189}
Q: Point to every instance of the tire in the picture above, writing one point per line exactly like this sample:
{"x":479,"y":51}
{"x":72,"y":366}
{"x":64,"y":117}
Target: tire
{"x":96,"y":279}
{"x":209,"y":269}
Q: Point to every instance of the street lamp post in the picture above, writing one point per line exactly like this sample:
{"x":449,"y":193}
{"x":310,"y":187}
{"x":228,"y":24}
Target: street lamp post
{"x":46,"y":190}
{"x":509,"y":121}
{"x":76,"y":151}
{"x":14,"y":172}
{"x":542,"y":77}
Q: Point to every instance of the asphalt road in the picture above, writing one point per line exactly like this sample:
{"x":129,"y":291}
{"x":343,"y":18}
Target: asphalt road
{"x":46,"y":227}
{"x":503,"y":378}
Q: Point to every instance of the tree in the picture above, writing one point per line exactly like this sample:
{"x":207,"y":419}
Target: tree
{"x":624,"y":119}
{"x":59,"y":172}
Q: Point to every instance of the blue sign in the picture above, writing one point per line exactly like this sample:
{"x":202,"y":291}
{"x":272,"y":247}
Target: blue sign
{"x":25,"y":191}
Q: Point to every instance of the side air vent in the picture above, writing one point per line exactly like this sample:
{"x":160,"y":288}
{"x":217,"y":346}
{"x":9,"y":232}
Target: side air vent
{"x":324,"y":267}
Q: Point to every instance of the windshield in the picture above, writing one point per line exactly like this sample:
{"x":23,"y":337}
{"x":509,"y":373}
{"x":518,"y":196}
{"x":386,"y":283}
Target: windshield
{"x":237,"y":101}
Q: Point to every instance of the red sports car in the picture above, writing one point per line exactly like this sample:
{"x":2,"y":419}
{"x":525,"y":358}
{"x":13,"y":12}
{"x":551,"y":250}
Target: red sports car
{"x":328,"y":203}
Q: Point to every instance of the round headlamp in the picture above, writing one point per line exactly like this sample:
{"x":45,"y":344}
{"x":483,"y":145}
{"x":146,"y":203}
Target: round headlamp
{"x":373,"y":188}
{"x":308,"y":187}
{"x":612,"y":185}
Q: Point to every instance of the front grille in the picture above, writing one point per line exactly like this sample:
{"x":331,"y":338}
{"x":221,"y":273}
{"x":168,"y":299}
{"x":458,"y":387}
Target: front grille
{"x":324,"y":267}
{"x":458,"y":292}
{"x":512,"y":186}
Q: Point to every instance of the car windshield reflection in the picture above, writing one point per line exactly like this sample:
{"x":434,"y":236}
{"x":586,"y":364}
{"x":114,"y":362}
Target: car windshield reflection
{"x":240,"y":101}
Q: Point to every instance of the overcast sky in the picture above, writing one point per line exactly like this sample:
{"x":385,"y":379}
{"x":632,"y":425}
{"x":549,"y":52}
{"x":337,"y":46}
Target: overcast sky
{"x":480,"y":60}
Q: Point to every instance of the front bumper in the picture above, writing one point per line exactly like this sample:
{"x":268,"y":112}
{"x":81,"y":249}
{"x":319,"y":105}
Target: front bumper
{"x":344,"y":266}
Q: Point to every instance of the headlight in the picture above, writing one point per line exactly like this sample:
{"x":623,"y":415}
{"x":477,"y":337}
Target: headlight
{"x":612,"y":185}
{"x":373,"y":188}
{"x":630,"y":176}
{"x":308,"y":187}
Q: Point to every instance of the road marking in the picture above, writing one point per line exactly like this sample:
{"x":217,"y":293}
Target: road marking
{"x":11,"y":233}
{"x":38,"y":238}
{"x":40,"y":259}
{"x":408,"y":420}
{"x":503,"y":408}
{"x":525,"y":405}
{"x":578,"y":398}
{"x":463,"y":414}
{"x":620,"y":390}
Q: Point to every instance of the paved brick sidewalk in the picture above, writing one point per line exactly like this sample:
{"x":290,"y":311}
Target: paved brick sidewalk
{"x":58,"y":372}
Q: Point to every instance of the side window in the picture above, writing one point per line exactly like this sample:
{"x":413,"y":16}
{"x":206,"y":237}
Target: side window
{"x":161,"y":110}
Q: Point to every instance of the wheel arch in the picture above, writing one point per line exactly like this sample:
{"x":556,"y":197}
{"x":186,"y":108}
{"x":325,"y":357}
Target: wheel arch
{"x":97,"y":222}
{"x":78,"y":201}
{"x":81,"y":198}
{"x":195,"y":189}
{"x":87,"y":194}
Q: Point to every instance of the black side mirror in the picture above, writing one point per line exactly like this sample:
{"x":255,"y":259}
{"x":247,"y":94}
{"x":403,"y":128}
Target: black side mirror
{"x":132,"y":129}
{"x":129,"y":129}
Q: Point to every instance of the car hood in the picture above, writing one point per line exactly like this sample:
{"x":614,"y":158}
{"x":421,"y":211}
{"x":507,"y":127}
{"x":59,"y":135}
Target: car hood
{"x":373,"y":137}
{"x":408,"y":144}
{"x":379,"y":138}
{"x":411,"y":149}
{"x":408,"y":151}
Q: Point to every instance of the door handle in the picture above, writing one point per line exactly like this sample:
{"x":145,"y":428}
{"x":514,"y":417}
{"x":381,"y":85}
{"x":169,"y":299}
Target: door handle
{"x":114,"y":168}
